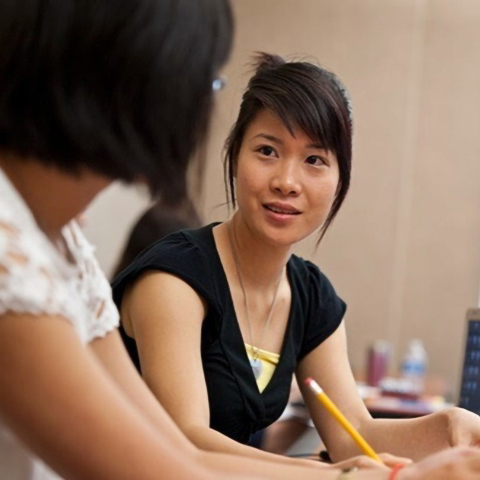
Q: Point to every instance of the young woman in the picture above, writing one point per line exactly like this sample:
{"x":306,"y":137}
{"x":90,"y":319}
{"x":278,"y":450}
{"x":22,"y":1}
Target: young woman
{"x":221,"y":317}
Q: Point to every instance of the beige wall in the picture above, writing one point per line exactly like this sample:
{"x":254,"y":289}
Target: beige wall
{"x":405,"y":250}
{"x":109,"y":219}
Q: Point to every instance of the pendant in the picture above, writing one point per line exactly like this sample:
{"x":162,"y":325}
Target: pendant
{"x":257,"y":367}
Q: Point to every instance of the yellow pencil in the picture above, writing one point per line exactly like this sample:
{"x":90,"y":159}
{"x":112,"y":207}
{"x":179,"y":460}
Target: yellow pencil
{"x":338,"y":416}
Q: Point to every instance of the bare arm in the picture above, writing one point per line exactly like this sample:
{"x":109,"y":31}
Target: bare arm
{"x":114,"y":359}
{"x":329,"y":365}
{"x":58,"y":400}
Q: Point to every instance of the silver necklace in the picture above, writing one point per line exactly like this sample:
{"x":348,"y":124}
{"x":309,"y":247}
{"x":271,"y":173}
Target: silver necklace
{"x":255,"y":362}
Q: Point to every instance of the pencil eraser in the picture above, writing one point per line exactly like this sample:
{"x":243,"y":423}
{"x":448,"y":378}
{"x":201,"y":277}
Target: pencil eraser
{"x":308,"y":381}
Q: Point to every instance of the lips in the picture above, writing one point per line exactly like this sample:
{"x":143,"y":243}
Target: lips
{"x":281,"y":208}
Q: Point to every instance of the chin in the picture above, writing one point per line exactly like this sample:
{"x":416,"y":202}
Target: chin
{"x":281,"y":237}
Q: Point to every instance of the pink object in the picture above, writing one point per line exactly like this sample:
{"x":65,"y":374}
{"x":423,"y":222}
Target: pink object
{"x":378,"y":355}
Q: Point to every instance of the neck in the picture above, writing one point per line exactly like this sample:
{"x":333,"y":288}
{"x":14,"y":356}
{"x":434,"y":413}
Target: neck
{"x":54,"y":197}
{"x":261,"y":263}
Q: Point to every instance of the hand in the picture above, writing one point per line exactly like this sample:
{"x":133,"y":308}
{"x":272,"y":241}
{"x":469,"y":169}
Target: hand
{"x":461,"y":463}
{"x":364,"y":462}
{"x":463,"y":428}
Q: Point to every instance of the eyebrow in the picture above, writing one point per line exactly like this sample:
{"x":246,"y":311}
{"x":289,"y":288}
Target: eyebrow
{"x":269,"y":137}
{"x":272,"y":138}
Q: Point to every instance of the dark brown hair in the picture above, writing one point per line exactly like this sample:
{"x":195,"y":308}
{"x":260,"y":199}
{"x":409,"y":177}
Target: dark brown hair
{"x":155,"y":223}
{"x":302,"y":95}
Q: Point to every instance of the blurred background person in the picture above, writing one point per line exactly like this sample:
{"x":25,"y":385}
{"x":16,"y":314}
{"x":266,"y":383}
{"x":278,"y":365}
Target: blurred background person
{"x":155,"y":223}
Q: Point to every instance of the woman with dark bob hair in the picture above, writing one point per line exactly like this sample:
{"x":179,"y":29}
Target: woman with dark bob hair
{"x":218,"y":319}
{"x":93,"y":91}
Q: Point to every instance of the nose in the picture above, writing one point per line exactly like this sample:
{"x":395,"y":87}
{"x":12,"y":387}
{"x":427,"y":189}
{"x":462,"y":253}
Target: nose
{"x":286,"y":179}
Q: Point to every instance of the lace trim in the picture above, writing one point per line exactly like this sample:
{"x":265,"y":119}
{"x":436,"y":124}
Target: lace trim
{"x":32,"y":283}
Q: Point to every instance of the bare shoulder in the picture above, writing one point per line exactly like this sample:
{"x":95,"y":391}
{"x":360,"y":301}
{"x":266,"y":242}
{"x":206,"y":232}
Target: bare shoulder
{"x":160,"y":295}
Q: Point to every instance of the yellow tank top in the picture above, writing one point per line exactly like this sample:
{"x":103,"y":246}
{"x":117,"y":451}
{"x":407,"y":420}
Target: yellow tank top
{"x":269,"y":362}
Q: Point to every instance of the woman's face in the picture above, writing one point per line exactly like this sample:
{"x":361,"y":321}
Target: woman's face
{"x":285,"y":185}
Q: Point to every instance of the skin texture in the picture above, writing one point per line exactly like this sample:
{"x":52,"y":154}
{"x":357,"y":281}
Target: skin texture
{"x":274,"y":166}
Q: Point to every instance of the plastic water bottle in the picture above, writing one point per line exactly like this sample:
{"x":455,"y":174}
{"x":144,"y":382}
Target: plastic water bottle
{"x":414,"y":365}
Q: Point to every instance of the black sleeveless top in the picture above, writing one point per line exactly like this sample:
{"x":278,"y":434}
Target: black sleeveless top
{"x":237,"y":408}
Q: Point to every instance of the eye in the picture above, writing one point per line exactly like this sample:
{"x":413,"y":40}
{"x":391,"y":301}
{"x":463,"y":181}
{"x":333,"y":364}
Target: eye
{"x":266,"y":150}
{"x":316,"y":160}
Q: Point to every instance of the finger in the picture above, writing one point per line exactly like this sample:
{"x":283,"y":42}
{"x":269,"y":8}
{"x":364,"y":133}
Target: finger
{"x":464,"y":451}
{"x":392,"y":460}
{"x":361,"y":462}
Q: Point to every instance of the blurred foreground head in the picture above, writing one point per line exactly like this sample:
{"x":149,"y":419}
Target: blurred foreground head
{"x":123,"y":88}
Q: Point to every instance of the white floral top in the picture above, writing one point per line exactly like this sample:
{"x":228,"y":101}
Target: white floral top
{"x":36,"y":279}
